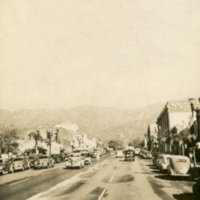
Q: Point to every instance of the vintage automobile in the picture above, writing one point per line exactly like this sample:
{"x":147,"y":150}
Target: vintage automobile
{"x":196,"y":188}
{"x":178,"y":166}
{"x":96,"y":154}
{"x":87,"y":158}
{"x":20,"y":163}
{"x":163,"y":162}
{"x":74,"y":160}
{"x":32,"y":160}
{"x":119,"y":154}
{"x":156,"y":157}
{"x":5,"y":166}
{"x":146,"y":154}
{"x":137,"y":151}
{"x":43,"y":161}
{"x":129,"y":155}
{"x":2,"y":166}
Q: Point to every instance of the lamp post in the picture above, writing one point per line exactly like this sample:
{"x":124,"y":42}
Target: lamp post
{"x":197,"y":110}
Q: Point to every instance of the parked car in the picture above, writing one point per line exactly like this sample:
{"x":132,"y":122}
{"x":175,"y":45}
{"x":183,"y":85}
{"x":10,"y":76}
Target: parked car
{"x":57,"y":158}
{"x":129,"y":155}
{"x":43,"y":161}
{"x":163,"y":162}
{"x":32,"y":160}
{"x":119,"y":154}
{"x":87,"y":158}
{"x":178,"y":166}
{"x":146,"y":154}
{"x":196,"y":188}
{"x":96,"y":154}
{"x":20,"y":163}
{"x":155,"y":158}
{"x":6,"y":166}
{"x":2,"y":166}
{"x":75,"y":160}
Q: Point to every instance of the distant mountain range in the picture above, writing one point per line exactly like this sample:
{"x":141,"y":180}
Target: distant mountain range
{"x":100,"y":122}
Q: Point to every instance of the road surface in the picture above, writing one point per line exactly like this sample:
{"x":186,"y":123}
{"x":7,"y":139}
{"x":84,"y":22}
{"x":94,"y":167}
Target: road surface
{"x":106,"y":179}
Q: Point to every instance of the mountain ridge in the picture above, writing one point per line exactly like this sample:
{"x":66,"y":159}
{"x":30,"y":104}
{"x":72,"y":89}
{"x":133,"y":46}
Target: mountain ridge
{"x":99,"y":122}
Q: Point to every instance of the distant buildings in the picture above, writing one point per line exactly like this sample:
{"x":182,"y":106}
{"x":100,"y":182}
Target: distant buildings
{"x":64,"y":138}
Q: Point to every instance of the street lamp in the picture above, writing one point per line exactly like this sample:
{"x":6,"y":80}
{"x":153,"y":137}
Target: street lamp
{"x":197,"y":110}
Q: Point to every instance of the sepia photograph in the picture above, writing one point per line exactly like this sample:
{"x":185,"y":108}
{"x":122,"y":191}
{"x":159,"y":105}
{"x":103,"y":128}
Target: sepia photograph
{"x":99,"y":99}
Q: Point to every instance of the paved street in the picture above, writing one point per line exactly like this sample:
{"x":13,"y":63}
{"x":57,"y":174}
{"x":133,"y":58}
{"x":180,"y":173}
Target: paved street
{"x":108,"y":178}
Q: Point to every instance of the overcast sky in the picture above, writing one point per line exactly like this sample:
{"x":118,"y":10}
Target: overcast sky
{"x":119,"y":53}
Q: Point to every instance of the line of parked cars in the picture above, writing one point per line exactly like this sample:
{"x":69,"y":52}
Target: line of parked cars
{"x":173,"y":165}
{"x":10,"y":165}
{"x":13,"y":164}
{"x":176,"y":165}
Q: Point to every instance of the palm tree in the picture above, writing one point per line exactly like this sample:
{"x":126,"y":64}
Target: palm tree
{"x":37,"y":137}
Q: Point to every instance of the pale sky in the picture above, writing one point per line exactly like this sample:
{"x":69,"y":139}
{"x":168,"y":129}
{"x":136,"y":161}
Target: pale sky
{"x":119,"y":53}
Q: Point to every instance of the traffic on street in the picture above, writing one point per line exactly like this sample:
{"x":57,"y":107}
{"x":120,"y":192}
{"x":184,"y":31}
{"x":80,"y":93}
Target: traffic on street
{"x":108,"y":177}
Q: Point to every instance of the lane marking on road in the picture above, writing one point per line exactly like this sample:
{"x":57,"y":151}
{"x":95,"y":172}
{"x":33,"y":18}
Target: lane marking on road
{"x":46,"y":173}
{"x":63,"y":183}
{"x":113,"y":176}
{"x":19,"y":181}
{"x":101,"y":195}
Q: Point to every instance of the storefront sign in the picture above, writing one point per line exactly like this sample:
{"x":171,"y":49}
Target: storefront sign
{"x":179,"y":106}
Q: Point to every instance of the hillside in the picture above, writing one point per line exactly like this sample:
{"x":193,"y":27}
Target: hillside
{"x":100,"y":122}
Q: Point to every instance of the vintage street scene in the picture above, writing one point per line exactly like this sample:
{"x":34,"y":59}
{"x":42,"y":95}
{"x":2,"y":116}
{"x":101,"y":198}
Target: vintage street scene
{"x":99,"y":100}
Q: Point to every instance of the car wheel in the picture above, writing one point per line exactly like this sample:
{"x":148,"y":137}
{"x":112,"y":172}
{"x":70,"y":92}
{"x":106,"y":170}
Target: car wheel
{"x":3,"y":172}
{"x":196,"y":189}
{"x":161,"y":169}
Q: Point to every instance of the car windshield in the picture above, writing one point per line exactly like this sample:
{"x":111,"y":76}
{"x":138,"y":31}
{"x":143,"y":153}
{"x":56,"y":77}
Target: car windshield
{"x":74,"y":155}
{"x":43,"y":157}
{"x":18,"y":159}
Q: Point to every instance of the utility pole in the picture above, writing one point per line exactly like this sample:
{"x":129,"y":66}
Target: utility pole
{"x":49,"y":134}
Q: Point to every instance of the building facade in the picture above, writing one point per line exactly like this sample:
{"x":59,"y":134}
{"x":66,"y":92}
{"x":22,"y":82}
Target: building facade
{"x":173,"y":127}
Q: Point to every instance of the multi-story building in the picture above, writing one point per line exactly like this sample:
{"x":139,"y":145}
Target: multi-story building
{"x":173,"y":123}
{"x":69,"y":136}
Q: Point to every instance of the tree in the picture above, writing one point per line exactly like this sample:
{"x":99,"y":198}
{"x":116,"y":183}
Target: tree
{"x":37,"y":137}
{"x":115,"y":144}
{"x":8,"y":140}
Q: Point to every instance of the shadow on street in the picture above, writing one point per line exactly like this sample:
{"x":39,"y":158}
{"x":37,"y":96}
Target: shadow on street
{"x":185,"y":196}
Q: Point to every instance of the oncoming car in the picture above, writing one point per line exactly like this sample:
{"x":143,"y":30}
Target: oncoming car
{"x":119,"y":154}
{"x":87,"y":158}
{"x":75,"y":160}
